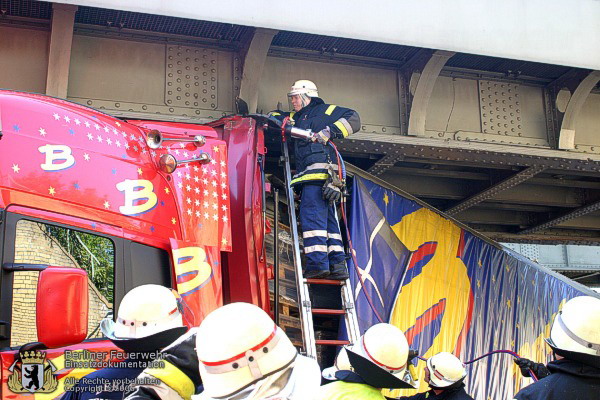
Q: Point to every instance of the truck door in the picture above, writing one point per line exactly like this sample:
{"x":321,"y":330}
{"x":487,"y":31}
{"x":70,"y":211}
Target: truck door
{"x":33,"y":241}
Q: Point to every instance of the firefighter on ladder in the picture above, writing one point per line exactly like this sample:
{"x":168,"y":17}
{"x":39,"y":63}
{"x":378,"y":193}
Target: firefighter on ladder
{"x":317,"y":176}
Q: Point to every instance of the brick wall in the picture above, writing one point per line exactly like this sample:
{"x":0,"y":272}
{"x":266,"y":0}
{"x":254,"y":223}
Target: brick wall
{"x":33,"y":246}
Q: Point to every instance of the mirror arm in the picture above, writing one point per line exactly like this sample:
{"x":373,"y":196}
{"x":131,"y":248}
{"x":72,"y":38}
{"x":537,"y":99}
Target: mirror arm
{"x":12,"y":267}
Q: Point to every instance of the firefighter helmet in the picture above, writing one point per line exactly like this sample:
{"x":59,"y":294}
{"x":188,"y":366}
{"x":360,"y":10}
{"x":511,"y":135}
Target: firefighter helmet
{"x":380,"y":357}
{"x":386,"y":346}
{"x":576,"y":328}
{"x":304,"y":86}
{"x":301,"y":93}
{"x":445,"y":369}
{"x":149,"y":318}
{"x":239,"y":345}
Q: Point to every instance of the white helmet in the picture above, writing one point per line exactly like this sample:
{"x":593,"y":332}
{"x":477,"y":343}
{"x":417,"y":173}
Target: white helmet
{"x":576,"y":328}
{"x":386,"y":346}
{"x":445,"y":369}
{"x":239,"y":345}
{"x":380,"y":358}
{"x":149,"y":312}
{"x":304,"y":86}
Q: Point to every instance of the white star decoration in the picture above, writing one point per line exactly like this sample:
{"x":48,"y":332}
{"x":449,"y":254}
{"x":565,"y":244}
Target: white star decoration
{"x":201,"y":190}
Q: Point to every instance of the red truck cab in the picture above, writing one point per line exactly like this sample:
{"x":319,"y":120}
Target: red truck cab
{"x":82,"y":190}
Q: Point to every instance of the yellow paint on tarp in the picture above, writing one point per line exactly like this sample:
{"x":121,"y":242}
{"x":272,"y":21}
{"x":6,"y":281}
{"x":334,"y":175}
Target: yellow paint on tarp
{"x":443,"y":277}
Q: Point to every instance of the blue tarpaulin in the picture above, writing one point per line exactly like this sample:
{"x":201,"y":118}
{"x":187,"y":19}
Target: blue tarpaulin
{"x":450,"y":290}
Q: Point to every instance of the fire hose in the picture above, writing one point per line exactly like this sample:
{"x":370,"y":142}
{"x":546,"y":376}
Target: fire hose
{"x":512,"y":353}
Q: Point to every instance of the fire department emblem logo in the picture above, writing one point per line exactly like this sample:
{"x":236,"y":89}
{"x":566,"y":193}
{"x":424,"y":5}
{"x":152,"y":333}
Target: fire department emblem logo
{"x":32,"y":373}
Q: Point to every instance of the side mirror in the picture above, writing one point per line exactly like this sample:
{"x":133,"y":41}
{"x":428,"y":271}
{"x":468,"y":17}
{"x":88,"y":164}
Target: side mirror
{"x":62,"y":306}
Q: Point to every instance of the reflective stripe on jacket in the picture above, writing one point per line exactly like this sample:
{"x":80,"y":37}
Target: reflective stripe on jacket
{"x":180,"y":377}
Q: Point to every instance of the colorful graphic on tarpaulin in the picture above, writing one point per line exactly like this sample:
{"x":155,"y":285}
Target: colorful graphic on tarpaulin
{"x":449,"y":290}
{"x":375,"y":244}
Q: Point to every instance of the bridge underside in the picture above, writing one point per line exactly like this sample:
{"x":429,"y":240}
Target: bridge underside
{"x":510,"y":148}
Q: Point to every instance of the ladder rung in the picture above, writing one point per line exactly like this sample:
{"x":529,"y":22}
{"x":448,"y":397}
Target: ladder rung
{"x":324,"y":282}
{"x":325,"y":311}
{"x":326,"y":342}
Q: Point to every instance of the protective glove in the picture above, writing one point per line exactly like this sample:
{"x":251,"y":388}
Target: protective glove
{"x":332,"y":189}
{"x":331,"y":193}
{"x":322,"y":136}
{"x":412,"y":354}
{"x":526,"y":365}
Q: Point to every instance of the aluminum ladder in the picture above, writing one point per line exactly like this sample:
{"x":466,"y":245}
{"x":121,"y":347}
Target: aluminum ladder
{"x":303,"y":285}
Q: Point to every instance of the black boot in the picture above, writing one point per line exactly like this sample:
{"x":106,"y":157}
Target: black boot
{"x":339,"y":272}
{"x":316,"y":274}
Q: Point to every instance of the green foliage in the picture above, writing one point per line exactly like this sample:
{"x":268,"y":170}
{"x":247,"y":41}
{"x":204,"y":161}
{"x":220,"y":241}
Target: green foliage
{"x":100,"y":268}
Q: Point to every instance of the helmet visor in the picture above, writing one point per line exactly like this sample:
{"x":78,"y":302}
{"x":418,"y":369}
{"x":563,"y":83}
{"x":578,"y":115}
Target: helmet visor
{"x":297,"y":102}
